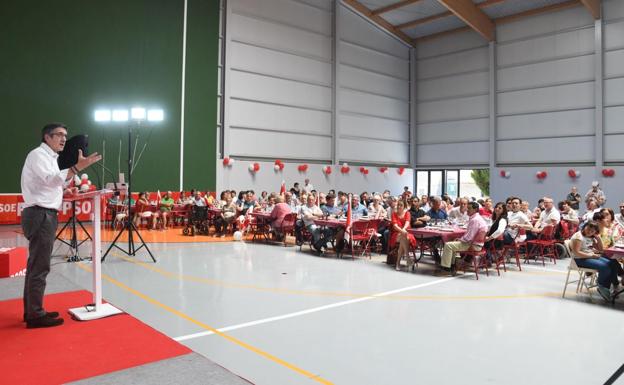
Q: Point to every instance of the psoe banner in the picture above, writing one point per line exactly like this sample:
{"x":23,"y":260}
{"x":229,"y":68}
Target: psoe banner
{"x":12,"y":205}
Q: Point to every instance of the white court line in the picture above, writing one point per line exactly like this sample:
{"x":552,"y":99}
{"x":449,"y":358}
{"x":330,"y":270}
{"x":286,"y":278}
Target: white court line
{"x":315,"y":309}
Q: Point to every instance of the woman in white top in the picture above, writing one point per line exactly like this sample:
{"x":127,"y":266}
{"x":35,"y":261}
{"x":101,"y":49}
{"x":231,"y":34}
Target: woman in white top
{"x":586,"y":248}
{"x":499,"y":224}
{"x":376,"y":209}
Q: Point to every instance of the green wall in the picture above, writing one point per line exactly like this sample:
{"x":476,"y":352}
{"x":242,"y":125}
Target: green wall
{"x":65,"y":58}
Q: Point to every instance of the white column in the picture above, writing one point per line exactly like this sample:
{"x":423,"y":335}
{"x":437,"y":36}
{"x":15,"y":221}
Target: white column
{"x":492,"y":105}
{"x":598,"y":87}
{"x":336,"y":29}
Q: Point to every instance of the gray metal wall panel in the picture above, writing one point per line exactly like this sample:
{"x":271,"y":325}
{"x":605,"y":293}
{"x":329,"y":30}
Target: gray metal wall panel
{"x":453,"y":132}
{"x":614,"y":120}
{"x":464,"y":61}
{"x":373,"y":93}
{"x":286,"y":11}
{"x":373,"y":151}
{"x":266,"y":144}
{"x":367,"y":59}
{"x":275,"y":63}
{"x":614,"y":63}
{"x":564,"y":44}
{"x":453,"y":86}
{"x":571,"y":96}
{"x":372,"y":82}
{"x":453,"y":154}
{"x":614,"y":35}
{"x":580,"y":68}
{"x":449,"y":44}
{"x":359,"y":31}
{"x":614,"y":92}
{"x":544,"y":24}
{"x":453,"y":109}
{"x":613,"y":148}
{"x":279,"y":36}
{"x":612,"y":9}
{"x":368,"y":127}
{"x":280,"y":80}
{"x":571,"y":149}
{"x":275,"y":117}
{"x":561,"y":123}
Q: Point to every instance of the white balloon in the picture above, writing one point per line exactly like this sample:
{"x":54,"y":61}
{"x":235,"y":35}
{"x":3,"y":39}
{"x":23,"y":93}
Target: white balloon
{"x":578,"y":173}
{"x":238,"y":236}
{"x":231,"y":162}
{"x":250,"y":167}
{"x":276,"y":167}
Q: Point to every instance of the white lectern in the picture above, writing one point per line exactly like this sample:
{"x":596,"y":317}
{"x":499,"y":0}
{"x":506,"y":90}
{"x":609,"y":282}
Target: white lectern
{"x":100,"y":309}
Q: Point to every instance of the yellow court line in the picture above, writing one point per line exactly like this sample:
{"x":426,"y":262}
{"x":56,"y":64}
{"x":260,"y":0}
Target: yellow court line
{"x":202,"y":325}
{"x":190,"y":278}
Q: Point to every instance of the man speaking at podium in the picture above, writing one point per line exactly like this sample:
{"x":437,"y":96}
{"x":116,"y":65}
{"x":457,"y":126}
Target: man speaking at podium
{"x":42,"y":189}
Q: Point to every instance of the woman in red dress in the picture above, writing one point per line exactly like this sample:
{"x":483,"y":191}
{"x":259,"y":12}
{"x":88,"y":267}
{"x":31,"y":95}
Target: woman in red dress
{"x":400,"y":224}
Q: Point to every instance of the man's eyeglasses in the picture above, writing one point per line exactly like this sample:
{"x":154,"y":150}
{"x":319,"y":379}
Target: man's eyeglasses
{"x":59,"y":134}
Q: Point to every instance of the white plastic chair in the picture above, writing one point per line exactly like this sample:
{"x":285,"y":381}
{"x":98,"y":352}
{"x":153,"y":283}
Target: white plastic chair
{"x":583,"y":277}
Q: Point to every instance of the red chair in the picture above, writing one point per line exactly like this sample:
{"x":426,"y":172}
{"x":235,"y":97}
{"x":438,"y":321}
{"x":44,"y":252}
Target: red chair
{"x":543,"y":246}
{"x":477,"y":258}
{"x":498,"y":257}
{"x":287,"y":227}
{"x":360,"y":235}
{"x":514,"y":249}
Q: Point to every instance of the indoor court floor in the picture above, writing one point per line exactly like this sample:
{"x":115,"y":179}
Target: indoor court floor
{"x":276,"y":315}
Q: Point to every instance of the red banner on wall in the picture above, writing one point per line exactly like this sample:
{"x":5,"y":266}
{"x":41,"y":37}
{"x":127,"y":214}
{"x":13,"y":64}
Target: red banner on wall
{"x":11,"y":206}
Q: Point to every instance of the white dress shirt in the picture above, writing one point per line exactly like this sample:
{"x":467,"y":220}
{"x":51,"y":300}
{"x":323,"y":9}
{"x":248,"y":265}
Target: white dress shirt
{"x":42,"y":180}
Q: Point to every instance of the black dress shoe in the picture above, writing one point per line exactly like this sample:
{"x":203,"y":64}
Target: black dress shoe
{"x":43,"y":322}
{"x":51,"y":314}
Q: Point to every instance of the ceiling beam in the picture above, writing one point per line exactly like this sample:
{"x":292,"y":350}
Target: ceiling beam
{"x":507,"y":19}
{"x":394,"y":6}
{"x":473,"y":16}
{"x":380,"y":21}
{"x":424,"y":20}
{"x":593,"y":6}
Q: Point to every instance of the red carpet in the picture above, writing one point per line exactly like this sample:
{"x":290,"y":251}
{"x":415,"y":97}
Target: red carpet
{"x":75,"y":350}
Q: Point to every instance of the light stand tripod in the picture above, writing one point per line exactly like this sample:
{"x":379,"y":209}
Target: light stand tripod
{"x":129,"y":226}
{"x":73,"y":239}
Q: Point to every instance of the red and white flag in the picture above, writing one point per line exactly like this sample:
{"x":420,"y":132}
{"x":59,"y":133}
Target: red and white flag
{"x":158,"y":196}
{"x":283,"y":188}
{"x":349,"y":220}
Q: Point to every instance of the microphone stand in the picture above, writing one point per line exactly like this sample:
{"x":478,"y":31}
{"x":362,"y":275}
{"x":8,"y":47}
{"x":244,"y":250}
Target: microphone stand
{"x":129,"y":226}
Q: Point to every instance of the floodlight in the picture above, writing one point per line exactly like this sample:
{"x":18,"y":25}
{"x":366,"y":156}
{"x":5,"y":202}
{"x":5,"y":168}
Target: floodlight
{"x":137,"y":113}
{"x":120,"y":115}
{"x":102,"y":115}
{"x":155,"y":115}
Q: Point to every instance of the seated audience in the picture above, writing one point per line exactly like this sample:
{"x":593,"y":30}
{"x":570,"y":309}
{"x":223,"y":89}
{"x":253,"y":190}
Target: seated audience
{"x":549,"y":217}
{"x":436,"y":212}
{"x":459,"y":213}
{"x":596,"y":194}
{"x":227,"y":216}
{"x":516,"y":220}
{"x":497,"y":229}
{"x":405,"y":240}
{"x":476,"y":226}
{"x":486,"y":210}
{"x":586,"y":248}
{"x":143,"y":211}
{"x":199,"y":200}
{"x":418,"y":217}
{"x":166,"y":205}
{"x":279,"y":211}
{"x":376,"y":209}
{"x":358,"y":210}
{"x":592,"y":208}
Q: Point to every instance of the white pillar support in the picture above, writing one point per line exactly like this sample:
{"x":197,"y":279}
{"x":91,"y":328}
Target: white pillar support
{"x":598,"y":87}
{"x":492,"y":105}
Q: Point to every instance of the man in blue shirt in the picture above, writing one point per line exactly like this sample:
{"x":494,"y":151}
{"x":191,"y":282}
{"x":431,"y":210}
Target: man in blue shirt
{"x":358,"y":210}
{"x":436,"y":213}
{"x":329,"y":208}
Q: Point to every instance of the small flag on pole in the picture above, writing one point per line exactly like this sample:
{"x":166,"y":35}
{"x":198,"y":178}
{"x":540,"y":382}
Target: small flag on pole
{"x":349,"y":220}
{"x":283,"y":188}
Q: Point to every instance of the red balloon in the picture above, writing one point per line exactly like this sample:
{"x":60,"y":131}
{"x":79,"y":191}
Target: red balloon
{"x":401,"y":170}
{"x":226,"y":161}
{"x":256,"y":167}
{"x":571,"y":173}
{"x":502,"y":173}
{"x":544,"y":174}
{"x":281,"y":166}
{"x":345,"y":169}
{"x":605,"y":172}
{"x":611,"y":172}
{"x":328,"y":170}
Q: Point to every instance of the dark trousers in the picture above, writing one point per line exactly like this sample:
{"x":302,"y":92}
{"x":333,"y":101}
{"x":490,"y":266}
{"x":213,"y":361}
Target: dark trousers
{"x":39,"y":227}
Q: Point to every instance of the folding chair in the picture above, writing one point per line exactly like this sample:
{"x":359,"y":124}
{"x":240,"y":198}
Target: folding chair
{"x":478,"y":259}
{"x":582,"y":274}
{"x":543,"y":246}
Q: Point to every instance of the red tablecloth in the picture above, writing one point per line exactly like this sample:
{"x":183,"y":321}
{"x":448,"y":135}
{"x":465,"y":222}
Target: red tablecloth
{"x":430,"y":232}
{"x":615,"y":252}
